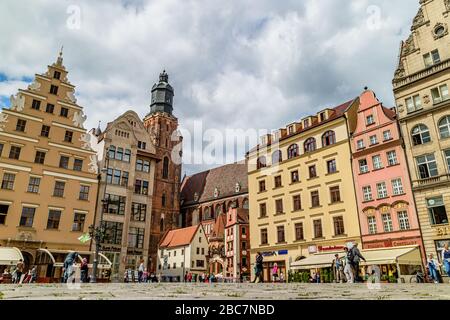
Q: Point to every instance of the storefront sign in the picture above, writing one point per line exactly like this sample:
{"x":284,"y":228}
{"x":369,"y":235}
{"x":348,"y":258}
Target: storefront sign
{"x":269,"y":254}
{"x":330,"y":248}
{"x":282,"y":252}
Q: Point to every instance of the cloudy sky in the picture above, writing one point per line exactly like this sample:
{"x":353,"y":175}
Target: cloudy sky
{"x":233,"y":64}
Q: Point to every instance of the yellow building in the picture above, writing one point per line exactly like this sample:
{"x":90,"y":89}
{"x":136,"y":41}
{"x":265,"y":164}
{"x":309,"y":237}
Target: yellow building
{"x":48,"y":172}
{"x":421,"y":84}
{"x":301,"y":192}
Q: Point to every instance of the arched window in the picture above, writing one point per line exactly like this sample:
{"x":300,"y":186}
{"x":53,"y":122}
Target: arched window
{"x":161,"y":225}
{"x":166,"y":168}
{"x":245,"y":204}
{"x":444,"y":127}
{"x":207,"y":213}
{"x":218,"y":210}
{"x":310,"y":145}
{"x":292,"y":151}
{"x":420,"y":134}
{"x":328,"y":138}
{"x":261,"y":162}
{"x":277,"y":157}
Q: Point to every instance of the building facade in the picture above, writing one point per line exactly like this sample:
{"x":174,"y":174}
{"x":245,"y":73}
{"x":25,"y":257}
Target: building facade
{"x":237,"y":244}
{"x":301,"y":198}
{"x":48,"y":171}
{"x":387,"y":211}
{"x":182,"y":251}
{"x":421,"y":84}
{"x":162,"y":125}
{"x":128,"y":162}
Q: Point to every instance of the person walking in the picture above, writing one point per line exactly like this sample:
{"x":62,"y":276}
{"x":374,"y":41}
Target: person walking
{"x":433,"y":266}
{"x":19,"y":270}
{"x":141,"y":271}
{"x":189,"y":277}
{"x":259,"y":268}
{"x":84,"y":270}
{"x":348,"y":268}
{"x":33,"y":274}
{"x":446,"y":259}
{"x":68,"y":266}
{"x":337,"y":268}
{"x":357,"y":257}
{"x":275,"y":272}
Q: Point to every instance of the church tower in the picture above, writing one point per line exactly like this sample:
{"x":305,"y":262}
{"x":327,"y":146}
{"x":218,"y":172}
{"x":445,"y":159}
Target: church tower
{"x":163,"y":125}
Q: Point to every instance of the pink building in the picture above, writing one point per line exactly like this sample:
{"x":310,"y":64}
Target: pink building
{"x":387,"y":211}
{"x":237,"y":243}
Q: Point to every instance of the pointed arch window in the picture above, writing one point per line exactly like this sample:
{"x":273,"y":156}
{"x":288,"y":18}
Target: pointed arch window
{"x":293,"y":151}
{"x":277,"y":157}
{"x":310,"y":145}
{"x":328,"y":138}
{"x":161,"y":225}
{"x":165,"y":172}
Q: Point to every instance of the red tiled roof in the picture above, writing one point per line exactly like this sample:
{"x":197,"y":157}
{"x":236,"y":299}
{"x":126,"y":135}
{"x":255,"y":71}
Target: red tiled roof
{"x":218,"y":230}
{"x":389,"y":113}
{"x":178,"y":237}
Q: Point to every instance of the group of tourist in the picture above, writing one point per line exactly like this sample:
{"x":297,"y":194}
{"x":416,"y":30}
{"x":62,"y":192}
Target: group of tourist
{"x":17,"y":275}
{"x":433,"y":265}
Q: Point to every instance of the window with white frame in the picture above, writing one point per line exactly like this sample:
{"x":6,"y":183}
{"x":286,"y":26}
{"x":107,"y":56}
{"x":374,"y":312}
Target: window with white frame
{"x":373,"y":140}
{"x":360,"y":144}
{"x":382,"y":190}
{"x":387,"y":222}
{"x":367,"y":193}
{"x":444,"y":127}
{"x":427,"y":167}
{"x":431,"y":58}
{"x":403,"y":220}
{"x":420,"y":134}
{"x":370,"y":119}
{"x":413,"y":103}
{"x":363,"y":167}
{"x":440,"y":94}
{"x":387,"y":135}
{"x":437,"y":211}
{"x":392,"y":158}
{"x":377,"y":164}
{"x":397,"y":186}
{"x":372,"y":224}
{"x":447,"y":157}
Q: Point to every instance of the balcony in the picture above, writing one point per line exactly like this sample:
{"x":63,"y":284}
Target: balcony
{"x":421,"y":74}
{"x":426,"y":183}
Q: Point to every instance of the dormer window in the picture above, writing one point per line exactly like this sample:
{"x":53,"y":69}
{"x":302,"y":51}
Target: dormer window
{"x":322,"y":116}
{"x":306,"y":123}
{"x":291,"y":129}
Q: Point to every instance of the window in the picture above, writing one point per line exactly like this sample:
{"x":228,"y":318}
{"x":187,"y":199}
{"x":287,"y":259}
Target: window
{"x":277,"y":157}
{"x":50,"y":108}
{"x":142,"y":145}
{"x":427,"y":166}
{"x":278,"y":182}
{"x":39,"y":157}
{"x":142,"y":165}
{"x":45,"y":131}
{"x":382,"y":190}
{"x":397,"y":186}
{"x":317,"y":228}
{"x":312,"y":171}
{"x":119,"y":154}
{"x":367,"y":193}
{"x":447,"y":157}
{"x":262,"y":185}
{"x":78,"y":165}
{"x":64,"y":112}
{"x":200,"y":263}
{"x":53,"y":89}
{"x":338,"y":223}
{"x":373,"y":140}
{"x":297,"y":202}
{"x":306,"y":123}
{"x":290,"y":129}
{"x":1,"y":149}
{"x":21,"y":124}
{"x":14,"y":152}
{"x":113,"y":232}
{"x":165,"y":172}
{"x":387,"y":222}
{"x":8,"y":181}
{"x":360,"y":144}
{"x":3,"y":213}
{"x":335,"y":194}
{"x":372,"y":223}
{"x":127,"y":155}
{"x":163,"y":201}
{"x":444,"y":127}
{"x":141,"y":187}
{"x":68,"y":136}
{"x":370,"y":120}
{"x":280,"y":234}
{"x":64,"y":162}
{"x":33,"y":184}
{"x":363,"y":166}
{"x":109,"y":175}
{"x":293,"y":151}
{"x":114,"y":204}
{"x":124,"y":182}
{"x":403,"y":220}
{"x":377,"y":164}
{"x":138,"y":211}
{"x":84,"y":193}
{"x":264,"y":238}
{"x":262,"y":210}
{"x":279,"y":206}
{"x":328,"y":138}
{"x":331,"y":166}
{"x":26,"y":220}
{"x":431,"y":58}
{"x":420,"y":135}
{"x":392,"y":158}
{"x":440,"y":94}
{"x":57,"y":75}
{"x":437,"y":211}
{"x":261,"y":162}
{"x":54,"y":217}
{"x":36,"y":104}
{"x":315,"y":201}
{"x":112,"y":152}
{"x":198,"y":250}
{"x":116,"y":178}
{"x":136,"y":238}
{"x":310,"y":145}
{"x":299,"y":235}
{"x":387,"y":135}
{"x":295,"y":177}
{"x":78,"y":222}
{"x":413,"y":104}
{"x":58,"y":191}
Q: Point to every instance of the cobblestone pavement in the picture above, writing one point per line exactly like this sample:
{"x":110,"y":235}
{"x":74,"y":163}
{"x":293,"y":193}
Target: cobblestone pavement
{"x":224,"y":291}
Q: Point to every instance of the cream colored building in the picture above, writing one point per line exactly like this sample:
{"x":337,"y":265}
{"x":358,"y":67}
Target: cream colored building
{"x":421,"y":85}
{"x":301,"y":192}
{"x":48,"y":172}
{"x":127,"y":160}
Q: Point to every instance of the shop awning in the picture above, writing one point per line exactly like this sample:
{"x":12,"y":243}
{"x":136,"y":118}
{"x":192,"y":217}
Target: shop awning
{"x":321,"y":260}
{"x":106,"y":265}
{"x":10,"y":256}
{"x":409,"y":255}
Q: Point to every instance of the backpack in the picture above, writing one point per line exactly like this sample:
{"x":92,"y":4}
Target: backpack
{"x":350,"y":255}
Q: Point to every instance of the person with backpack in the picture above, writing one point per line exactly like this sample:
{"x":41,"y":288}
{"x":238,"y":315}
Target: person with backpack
{"x":348,"y":269}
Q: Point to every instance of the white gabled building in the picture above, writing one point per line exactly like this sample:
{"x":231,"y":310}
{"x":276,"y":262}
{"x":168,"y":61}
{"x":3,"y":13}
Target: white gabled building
{"x":182,"y":250}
